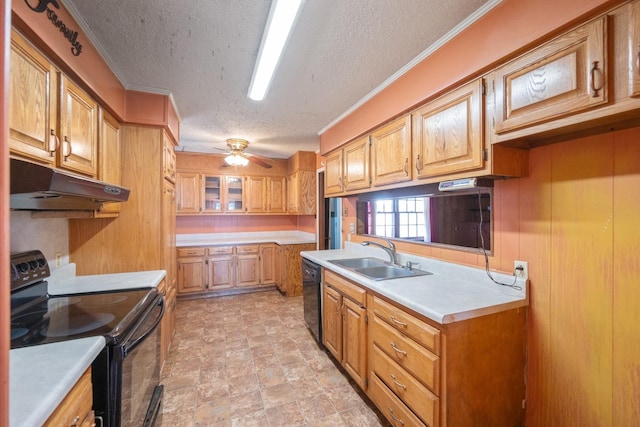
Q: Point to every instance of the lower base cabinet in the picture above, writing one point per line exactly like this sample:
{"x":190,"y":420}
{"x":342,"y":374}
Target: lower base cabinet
{"x":168,"y":324}
{"x":344,"y":322}
{"x":421,"y":373}
{"x":225,"y":268}
{"x":76,"y":408}
{"x":289,"y":268}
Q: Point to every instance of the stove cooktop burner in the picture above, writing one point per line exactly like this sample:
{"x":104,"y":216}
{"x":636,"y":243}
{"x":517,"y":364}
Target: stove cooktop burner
{"x":80,"y":324}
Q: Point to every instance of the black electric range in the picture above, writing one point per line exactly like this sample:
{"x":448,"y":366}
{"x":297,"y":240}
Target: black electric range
{"x":127,"y":319}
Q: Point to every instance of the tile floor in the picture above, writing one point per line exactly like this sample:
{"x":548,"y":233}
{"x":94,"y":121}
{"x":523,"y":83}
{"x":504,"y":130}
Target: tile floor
{"x":249,"y":360}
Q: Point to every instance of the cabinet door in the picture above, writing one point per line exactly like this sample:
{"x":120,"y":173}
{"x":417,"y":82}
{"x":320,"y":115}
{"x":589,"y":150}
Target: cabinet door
{"x":307,"y":193}
{"x":449,"y":135}
{"x":333,"y":173}
{"x":354,"y":344}
{"x":191,"y":275}
{"x":169,"y":160}
{"x":247,"y":270}
{"x":109,"y":165}
{"x":332,"y":321}
{"x":189,"y":193}
{"x":267,"y":264}
{"x":221,"y":272}
{"x":391,"y":152}
{"x":277,"y":194}
{"x":293,"y":193}
{"x":234,"y":193}
{"x":256,"y":194}
{"x":634,"y":48}
{"x":356,"y":165}
{"x":212,"y":193}
{"x":563,"y":77}
{"x":33,"y":102}
{"x":78,"y":130}
{"x":168,"y":232}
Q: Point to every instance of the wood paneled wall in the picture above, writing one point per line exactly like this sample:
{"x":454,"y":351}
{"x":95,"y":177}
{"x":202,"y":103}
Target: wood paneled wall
{"x":575,"y":219}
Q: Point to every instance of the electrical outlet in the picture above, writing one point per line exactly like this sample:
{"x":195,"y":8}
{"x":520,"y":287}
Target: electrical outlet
{"x":521,"y":269}
{"x":352,"y":228}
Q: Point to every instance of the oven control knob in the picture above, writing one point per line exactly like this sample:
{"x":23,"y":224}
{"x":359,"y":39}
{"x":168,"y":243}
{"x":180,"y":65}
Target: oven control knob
{"x":23,"y":267}
{"x":33,"y":264}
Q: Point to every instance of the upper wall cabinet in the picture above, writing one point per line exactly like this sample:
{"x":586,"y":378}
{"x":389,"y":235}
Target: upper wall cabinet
{"x":634,"y":48}
{"x":109,"y":168}
{"x":391,"y":152}
{"x":448,"y":133}
{"x":33,"y":100}
{"x":348,"y":168}
{"x":37,"y":91}
{"x":78,"y":129}
{"x":563,"y":77}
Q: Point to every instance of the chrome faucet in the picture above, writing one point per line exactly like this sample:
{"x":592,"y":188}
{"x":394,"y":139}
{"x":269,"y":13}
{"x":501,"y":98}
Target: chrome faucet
{"x":391,"y":250}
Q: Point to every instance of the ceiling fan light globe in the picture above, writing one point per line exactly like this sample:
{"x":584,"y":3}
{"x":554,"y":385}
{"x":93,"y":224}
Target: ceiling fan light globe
{"x":235,"y":159}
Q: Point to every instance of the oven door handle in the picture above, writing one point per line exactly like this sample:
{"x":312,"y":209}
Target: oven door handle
{"x":129,"y":348}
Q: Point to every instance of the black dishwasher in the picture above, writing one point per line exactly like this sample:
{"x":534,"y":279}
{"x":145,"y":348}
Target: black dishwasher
{"x":312,"y":297}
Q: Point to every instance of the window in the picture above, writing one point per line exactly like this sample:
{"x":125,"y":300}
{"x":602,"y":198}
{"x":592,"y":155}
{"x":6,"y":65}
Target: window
{"x":402,"y":218}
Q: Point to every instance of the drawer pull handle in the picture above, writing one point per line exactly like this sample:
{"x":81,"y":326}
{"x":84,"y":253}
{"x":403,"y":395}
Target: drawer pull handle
{"x":397,"y":322}
{"x":394,"y":417}
{"x":395,"y":381}
{"x":397,"y":350}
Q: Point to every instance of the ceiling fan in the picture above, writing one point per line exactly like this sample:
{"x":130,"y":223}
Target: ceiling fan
{"x":237,"y":156}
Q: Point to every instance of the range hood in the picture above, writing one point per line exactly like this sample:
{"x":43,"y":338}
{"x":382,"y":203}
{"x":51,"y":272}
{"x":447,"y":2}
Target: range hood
{"x":37,"y":187}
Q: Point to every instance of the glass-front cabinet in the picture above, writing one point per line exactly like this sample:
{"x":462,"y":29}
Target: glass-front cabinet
{"x":212,"y":193}
{"x":234,"y":194}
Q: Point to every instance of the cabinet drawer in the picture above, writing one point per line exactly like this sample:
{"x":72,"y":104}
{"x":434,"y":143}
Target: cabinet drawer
{"x":422,"y":332}
{"x":393,"y":409}
{"x":345,"y":287}
{"x":76,"y":406}
{"x":248,"y":249}
{"x":220,"y":250}
{"x":421,"y":363}
{"x":422,"y":402}
{"x":184,"y":252}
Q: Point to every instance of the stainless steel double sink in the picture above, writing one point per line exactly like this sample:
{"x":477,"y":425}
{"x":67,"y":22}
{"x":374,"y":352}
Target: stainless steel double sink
{"x":376,"y":269}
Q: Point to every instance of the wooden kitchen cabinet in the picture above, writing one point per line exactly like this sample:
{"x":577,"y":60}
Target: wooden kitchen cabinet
{"x":221,"y":268}
{"x":169,"y":160}
{"x":333,"y":173}
{"x":424,"y":373}
{"x":78,"y":129}
{"x":391,"y":152}
{"x":289,"y":268}
{"x":276,"y":194}
{"x":247,"y":266}
{"x":268,"y":264}
{"x":301,"y":193}
{"x":37,"y":93}
{"x":191,"y":274}
{"x":189,"y":192}
{"x":255,"y":188}
{"x":344,"y":326}
{"x":33,"y":101}
{"x":563,"y":77}
{"x":109,"y":164}
{"x":448,"y":132}
{"x":348,"y":168}
{"x":356,"y":164}
{"x":234,"y":194}
{"x":634,"y":49}
{"x":76,"y":408}
{"x":168,"y":324}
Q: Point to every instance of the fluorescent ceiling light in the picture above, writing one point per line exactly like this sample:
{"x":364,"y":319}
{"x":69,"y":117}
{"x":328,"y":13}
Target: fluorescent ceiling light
{"x":282,"y":16}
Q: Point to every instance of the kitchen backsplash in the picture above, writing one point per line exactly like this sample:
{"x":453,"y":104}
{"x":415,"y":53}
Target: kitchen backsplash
{"x":49,"y":235}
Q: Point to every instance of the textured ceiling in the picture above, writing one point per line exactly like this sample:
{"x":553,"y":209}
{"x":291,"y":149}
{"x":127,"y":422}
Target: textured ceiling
{"x":202,"y":52}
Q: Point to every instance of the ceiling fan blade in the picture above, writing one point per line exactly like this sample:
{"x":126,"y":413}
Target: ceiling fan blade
{"x":258,"y":161}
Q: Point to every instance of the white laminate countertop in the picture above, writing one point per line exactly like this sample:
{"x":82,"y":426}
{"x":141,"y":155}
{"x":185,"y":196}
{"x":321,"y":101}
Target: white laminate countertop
{"x":40,"y":377}
{"x":64,"y":281}
{"x":452,"y":293}
{"x":279,"y":237}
